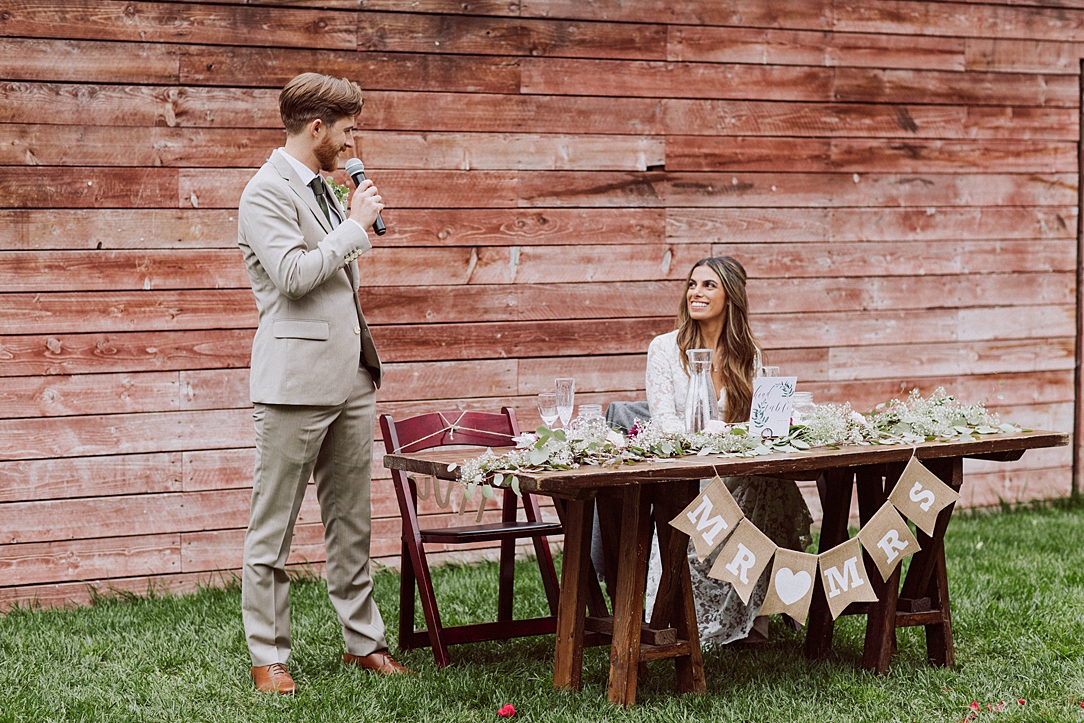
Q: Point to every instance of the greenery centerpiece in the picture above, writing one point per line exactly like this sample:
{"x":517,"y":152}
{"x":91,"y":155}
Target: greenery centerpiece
{"x":591,"y":442}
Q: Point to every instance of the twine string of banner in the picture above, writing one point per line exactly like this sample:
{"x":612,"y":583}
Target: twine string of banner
{"x":429,"y":480}
{"x":451,"y":428}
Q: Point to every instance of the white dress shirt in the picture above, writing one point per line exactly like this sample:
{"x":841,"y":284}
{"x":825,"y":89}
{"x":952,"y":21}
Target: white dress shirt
{"x":307,"y":175}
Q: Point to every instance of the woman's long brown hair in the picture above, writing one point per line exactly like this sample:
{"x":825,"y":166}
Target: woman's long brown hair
{"x":736,"y":347}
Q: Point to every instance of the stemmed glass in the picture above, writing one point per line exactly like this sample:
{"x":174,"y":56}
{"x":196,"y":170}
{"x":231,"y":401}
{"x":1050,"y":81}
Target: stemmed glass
{"x":547,"y":408}
{"x":768,"y":372}
{"x":566,"y":399}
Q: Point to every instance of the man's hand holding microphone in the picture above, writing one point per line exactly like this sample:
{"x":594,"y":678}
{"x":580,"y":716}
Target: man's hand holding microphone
{"x":366,"y":203}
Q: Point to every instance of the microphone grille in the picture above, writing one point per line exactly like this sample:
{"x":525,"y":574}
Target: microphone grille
{"x":353,"y":165}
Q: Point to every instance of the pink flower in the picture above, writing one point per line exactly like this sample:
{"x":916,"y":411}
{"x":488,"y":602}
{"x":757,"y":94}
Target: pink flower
{"x":507,"y":711}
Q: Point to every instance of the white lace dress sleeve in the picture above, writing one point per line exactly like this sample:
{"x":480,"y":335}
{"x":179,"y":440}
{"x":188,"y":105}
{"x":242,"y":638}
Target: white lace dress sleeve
{"x":667,"y":383}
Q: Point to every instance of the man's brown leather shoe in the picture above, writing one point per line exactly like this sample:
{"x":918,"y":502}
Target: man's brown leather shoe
{"x":379,"y":662}
{"x":273,"y":678}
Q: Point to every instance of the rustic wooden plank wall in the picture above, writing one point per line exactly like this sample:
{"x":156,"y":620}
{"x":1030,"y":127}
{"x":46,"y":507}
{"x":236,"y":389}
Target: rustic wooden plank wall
{"x":899,"y":178}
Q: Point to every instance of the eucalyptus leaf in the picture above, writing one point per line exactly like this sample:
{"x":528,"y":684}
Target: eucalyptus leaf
{"x":487,"y":492}
{"x":498,"y":479}
{"x":515,"y":486}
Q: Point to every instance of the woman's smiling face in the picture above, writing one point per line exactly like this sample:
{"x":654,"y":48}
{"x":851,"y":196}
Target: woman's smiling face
{"x":705,"y":296}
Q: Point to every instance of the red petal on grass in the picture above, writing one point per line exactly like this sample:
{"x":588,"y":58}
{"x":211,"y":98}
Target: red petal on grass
{"x":507,"y":711}
{"x":974,"y":705}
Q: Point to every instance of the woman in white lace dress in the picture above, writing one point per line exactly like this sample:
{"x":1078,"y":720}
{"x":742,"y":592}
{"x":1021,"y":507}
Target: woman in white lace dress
{"x":714,"y":314}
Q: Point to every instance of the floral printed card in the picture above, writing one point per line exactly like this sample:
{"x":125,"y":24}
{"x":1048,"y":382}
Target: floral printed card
{"x":770,"y":412}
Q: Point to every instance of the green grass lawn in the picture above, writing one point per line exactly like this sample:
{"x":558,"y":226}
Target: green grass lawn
{"x":1016,"y":579}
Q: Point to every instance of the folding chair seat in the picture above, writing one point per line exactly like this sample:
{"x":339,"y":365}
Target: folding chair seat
{"x":442,"y":429}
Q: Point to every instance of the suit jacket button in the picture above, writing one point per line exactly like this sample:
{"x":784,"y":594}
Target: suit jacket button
{"x":357,"y":329}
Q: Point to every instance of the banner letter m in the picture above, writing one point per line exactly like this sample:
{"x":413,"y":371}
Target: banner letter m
{"x":842,"y":583}
{"x":703,"y":512}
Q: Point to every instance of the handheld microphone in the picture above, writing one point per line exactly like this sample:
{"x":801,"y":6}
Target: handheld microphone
{"x":356,"y":170}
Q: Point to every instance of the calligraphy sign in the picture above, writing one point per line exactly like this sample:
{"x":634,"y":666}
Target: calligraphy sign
{"x":769,"y":415}
{"x":710,"y":518}
{"x":790,"y":588}
{"x":743,"y":559}
{"x":920,"y":495}
{"x":887,"y":539}
{"x":843,"y":574}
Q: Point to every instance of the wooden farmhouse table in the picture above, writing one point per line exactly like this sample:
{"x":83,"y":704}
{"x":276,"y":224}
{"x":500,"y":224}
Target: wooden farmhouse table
{"x":662,"y":489}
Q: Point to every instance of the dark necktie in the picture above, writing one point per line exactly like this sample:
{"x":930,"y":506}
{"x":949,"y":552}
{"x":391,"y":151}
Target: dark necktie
{"x":317,"y":186}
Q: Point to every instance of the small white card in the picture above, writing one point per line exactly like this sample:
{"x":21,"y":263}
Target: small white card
{"x":769,"y":415}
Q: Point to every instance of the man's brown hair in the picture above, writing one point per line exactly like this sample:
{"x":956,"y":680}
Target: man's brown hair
{"x":311,"y":95}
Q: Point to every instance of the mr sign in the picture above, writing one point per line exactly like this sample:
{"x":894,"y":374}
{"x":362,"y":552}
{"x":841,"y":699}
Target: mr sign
{"x":920,"y":495}
{"x":710,"y":518}
{"x":887,"y":539}
{"x":843,"y":574}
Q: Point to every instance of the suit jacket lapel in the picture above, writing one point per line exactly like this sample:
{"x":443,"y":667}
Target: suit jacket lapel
{"x":303,"y":192}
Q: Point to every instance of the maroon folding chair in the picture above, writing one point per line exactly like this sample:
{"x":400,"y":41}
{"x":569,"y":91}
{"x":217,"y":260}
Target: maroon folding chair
{"x":441,"y":429}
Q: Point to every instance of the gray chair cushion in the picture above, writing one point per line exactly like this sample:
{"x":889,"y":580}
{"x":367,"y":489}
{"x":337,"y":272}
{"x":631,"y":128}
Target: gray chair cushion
{"x":623,"y":415}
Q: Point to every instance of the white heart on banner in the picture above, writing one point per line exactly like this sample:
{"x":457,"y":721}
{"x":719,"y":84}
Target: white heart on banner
{"x":792,"y":586}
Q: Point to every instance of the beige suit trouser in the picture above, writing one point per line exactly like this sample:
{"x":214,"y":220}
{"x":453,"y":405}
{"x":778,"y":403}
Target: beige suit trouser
{"x":334,"y":445}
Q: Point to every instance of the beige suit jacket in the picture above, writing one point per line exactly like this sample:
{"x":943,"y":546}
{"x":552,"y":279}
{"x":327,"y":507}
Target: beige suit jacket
{"x":312,"y":335}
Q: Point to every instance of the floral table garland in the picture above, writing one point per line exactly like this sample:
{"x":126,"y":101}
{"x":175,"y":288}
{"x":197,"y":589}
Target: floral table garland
{"x":713,"y":518}
{"x":914,"y":420}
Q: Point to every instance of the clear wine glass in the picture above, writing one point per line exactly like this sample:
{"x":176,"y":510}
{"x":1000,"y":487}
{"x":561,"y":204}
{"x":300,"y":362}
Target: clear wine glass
{"x":566,"y":398}
{"x":768,"y":372}
{"x":547,"y":408}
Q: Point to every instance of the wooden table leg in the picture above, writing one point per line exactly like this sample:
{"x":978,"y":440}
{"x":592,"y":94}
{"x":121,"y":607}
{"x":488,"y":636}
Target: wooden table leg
{"x":629,"y":600}
{"x":871,"y":483}
{"x":939,"y":650}
{"x":674,"y":605}
{"x":835,"y":487}
{"x":927,"y":576}
{"x":568,"y":658}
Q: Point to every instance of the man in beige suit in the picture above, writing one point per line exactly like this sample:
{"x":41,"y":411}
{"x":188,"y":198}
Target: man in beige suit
{"x":313,"y":382}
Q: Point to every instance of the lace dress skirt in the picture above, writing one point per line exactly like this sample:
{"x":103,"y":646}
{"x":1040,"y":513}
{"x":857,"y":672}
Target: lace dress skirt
{"x":777,"y":508}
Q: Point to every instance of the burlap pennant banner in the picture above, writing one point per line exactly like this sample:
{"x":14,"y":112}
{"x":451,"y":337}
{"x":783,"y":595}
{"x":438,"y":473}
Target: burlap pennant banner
{"x":843,"y":574}
{"x":710,"y":518}
{"x":743,"y":558}
{"x":790,"y":589}
{"x":887,"y":539}
{"x":920,"y":495}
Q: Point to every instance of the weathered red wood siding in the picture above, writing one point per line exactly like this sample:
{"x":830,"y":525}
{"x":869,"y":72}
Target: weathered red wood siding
{"x":899,"y":178}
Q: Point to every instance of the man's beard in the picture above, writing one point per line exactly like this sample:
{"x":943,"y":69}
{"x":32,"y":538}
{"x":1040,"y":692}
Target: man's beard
{"x":327,"y":155}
